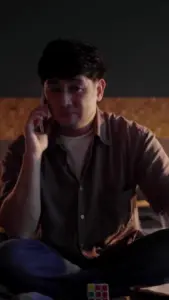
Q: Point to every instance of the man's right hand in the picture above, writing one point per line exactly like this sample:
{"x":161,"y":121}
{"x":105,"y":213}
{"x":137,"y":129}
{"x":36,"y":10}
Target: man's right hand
{"x":36,"y":141}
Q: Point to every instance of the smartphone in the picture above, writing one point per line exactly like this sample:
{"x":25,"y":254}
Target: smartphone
{"x":43,"y":124}
{"x":43,"y":98}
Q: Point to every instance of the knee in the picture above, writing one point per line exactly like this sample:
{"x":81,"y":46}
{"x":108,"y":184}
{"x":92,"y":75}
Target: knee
{"x":15,"y":262}
{"x":13,"y":255}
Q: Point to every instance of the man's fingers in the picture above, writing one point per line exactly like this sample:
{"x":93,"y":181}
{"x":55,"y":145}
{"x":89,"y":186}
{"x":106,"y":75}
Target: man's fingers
{"x":36,"y":118}
{"x":43,"y":110}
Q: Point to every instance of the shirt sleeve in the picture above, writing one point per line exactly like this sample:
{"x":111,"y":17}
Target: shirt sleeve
{"x":151,"y":168}
{"x":10,"y":167}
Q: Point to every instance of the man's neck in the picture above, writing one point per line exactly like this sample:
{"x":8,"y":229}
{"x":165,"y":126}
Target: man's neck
{"x":74,"y":132}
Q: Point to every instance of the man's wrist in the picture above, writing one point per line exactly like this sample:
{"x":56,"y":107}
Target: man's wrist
{"x":32,"y":158}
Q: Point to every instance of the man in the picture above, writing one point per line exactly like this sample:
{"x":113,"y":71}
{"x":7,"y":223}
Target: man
{"x":68,"y":188}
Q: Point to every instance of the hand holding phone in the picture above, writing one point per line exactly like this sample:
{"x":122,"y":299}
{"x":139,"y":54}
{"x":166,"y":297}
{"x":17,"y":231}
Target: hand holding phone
{"x":43,"y":122}
{"x":37,"y":129}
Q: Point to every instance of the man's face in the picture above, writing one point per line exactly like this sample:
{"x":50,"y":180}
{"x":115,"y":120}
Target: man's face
{"x":73,"y":102}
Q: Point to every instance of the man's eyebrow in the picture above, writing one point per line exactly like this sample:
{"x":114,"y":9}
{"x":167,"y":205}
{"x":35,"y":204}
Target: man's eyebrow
{"x":77,"y":80}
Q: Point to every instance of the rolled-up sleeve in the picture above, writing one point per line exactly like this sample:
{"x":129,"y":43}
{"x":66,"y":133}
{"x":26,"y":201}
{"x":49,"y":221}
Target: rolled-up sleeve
{"x":10,"y":167}
{"x":151,"y":169}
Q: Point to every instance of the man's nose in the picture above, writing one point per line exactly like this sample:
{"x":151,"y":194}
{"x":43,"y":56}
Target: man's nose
{"x":66,"y":99}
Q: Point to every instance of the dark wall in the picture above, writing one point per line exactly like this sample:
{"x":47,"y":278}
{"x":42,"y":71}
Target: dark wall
{"x":134,"y":39}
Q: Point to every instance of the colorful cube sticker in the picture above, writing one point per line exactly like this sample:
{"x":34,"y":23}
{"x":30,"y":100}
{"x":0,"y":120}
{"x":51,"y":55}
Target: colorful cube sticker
{"x":98,"y":291}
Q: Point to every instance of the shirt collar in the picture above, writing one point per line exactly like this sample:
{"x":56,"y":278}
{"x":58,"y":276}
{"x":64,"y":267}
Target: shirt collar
{"x":102,"y":126}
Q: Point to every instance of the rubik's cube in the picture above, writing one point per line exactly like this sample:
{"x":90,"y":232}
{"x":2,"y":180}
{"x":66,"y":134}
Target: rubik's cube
{"x":98,"y":291}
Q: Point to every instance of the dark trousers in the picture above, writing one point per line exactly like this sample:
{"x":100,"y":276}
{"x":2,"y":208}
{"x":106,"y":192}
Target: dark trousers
{"x":31,"y":266}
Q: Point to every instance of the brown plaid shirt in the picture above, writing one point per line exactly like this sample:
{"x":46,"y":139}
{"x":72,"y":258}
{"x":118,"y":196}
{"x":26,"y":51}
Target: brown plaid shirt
{"x":89,"y":215}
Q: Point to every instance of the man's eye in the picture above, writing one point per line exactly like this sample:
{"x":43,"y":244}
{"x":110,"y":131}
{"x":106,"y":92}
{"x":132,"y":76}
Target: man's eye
{"x":76,"y":89}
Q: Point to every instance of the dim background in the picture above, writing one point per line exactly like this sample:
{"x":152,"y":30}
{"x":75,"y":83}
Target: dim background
{"x":133,"y":37}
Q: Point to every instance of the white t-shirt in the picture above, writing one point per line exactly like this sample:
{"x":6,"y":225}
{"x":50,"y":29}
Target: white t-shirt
{"x":76,"y":151}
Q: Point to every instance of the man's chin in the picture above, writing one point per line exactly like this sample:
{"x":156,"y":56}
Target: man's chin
{"x":72,"y":122}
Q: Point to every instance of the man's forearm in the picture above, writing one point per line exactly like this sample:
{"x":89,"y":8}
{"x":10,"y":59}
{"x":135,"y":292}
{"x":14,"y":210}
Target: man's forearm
{"x":20,"y":211}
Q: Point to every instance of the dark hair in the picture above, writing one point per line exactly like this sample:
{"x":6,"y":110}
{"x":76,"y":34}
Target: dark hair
{"x":65,"y":59}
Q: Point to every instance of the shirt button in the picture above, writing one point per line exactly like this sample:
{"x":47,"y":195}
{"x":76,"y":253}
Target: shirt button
{"x":81,"y":188}
{"x":82,"y":217}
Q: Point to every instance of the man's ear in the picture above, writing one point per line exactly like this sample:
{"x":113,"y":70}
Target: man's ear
{"x":101,"y":85}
